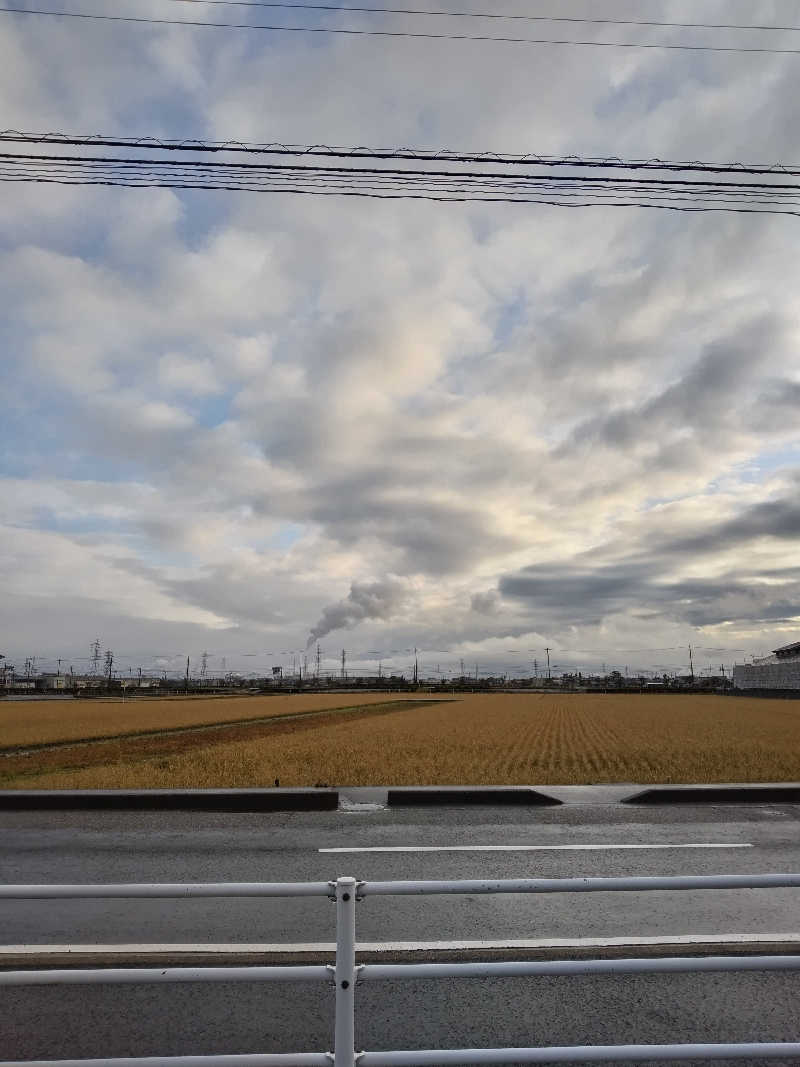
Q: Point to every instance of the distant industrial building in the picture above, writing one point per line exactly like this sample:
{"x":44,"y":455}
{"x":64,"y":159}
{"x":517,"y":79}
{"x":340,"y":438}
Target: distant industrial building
{"x":781,"y":670}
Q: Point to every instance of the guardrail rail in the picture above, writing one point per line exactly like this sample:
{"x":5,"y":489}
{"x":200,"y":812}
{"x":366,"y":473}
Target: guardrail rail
{"x":346,"y":975}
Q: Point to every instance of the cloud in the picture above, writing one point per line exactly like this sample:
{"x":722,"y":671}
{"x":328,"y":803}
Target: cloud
{"x":485,"y":603}
{"x":182,"y":374}
{"x":723,"y":573}
{"x":366,"y":600}
{"x":223,"y":410}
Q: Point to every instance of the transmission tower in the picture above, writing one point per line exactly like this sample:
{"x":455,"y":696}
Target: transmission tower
{"x":95,"y":648}
{"x":203,"y":667}
{"x":109,"y":664}
{"x":344,"y":664}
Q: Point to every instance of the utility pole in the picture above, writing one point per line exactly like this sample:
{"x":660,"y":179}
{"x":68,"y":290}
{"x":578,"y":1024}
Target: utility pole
{"x":318,"y":661}
{"x":416,"y":668}
{"x":462,"y":670}
{"x":186,"y":680}
{"x":59,"y":668}
{"x":139,"y":686}
{"x":305,"y":666}
{"x":476,"y":672}
{"x":547,"y":650}
{"x":344,"y":664}
{"x":691,"y":663}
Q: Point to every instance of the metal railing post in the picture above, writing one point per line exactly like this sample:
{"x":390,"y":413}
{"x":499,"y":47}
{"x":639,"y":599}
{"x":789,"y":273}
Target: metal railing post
{"x":344,"y":1034}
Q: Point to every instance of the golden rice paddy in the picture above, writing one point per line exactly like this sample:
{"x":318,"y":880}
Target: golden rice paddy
{"x":509,"y":739}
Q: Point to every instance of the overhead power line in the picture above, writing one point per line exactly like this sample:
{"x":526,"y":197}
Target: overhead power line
{"x":458,"y":185}
{"x":439,"y":155}
{"x":486,"y":15}
{"x":351,"y":32}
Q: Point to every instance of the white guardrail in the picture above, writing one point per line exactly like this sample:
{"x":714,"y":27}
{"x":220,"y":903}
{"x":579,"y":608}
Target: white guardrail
{"x":347,"y":974}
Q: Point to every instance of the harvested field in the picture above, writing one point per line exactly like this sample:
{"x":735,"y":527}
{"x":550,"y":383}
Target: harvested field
{"x":491,"y":739}
{"x":21,"y":763}
{"x":37,"y":722}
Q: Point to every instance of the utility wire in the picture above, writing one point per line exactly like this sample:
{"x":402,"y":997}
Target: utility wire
{"x":305,"y":168}
{"x":400,"y":33}
{"x":268,"y":168}
{"x":488,"y":15}
{"x":419,"y":155}
{"x":396,"y":183}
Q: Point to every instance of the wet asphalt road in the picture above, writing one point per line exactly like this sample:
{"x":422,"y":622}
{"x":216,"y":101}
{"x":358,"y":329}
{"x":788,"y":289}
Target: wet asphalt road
{"x":104,"y":1021}
{"x":182,"y":846}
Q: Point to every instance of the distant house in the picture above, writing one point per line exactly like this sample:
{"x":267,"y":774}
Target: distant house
{"x":780,"y":670}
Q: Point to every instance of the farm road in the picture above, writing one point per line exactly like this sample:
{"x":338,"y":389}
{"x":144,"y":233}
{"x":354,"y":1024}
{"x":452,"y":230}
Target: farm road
{"x":98,"y":847}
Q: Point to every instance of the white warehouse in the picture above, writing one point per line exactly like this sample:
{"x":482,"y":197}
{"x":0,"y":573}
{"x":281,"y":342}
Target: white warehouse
{"x":781,"y":670}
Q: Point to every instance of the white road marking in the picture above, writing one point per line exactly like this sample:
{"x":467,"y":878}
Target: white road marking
{"x":527,"y":848}
{"x":631,"y":941}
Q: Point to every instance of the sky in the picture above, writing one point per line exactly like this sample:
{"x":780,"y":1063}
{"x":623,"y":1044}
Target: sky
{"x":249,"y":423}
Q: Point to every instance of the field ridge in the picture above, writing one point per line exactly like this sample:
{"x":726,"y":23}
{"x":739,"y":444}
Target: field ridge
{"x":144,"y":747}
{"x":23,"y":748}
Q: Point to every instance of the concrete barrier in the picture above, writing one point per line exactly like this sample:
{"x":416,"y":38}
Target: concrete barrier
{"x":169,"y":799}
{"x":428,"y":796}
{"x":743,"y":793}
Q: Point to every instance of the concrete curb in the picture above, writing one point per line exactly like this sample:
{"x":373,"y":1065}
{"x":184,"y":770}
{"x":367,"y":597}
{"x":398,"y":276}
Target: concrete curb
{"x":742,"y":793}
{"x":243,"y":800}
{"x":366,"y":798}
{"x":429,"y":796}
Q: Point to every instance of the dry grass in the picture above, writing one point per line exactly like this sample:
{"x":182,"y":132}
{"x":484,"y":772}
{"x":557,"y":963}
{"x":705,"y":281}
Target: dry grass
{"x":36,"y":722}
{"x":502,"y":739}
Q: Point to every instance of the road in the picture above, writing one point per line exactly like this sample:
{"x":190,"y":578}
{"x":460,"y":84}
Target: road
{"x":548,"y":842}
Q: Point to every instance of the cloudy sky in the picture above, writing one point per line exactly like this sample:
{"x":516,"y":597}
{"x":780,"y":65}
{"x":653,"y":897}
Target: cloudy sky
{"x":238,"y":422}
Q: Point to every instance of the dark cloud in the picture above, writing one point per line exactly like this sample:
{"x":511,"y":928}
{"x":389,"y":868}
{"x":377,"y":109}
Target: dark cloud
{"x":565,"y":597}
{"x":698,"y":403}
{"x":610,"y":580}
{"x":779,"y":519}
{"x":485,"y":603}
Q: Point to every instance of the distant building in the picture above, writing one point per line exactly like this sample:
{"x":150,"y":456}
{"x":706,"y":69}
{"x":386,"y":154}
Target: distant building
{"x":781,"y":670}
{"x":52,"y":681}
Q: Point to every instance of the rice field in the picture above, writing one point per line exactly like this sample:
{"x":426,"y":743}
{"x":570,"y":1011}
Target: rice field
{"x":37,"y":722}
{"x":490,"y":739}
